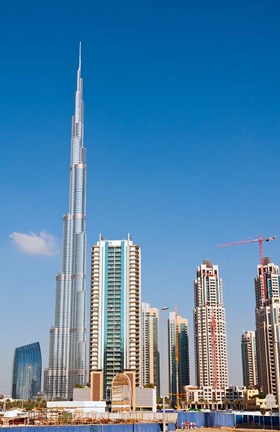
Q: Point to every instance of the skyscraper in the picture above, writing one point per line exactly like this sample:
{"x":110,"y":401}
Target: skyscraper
{"x":179,"y":363}
{"x":267,"y":289}
{"x":211,"y":364}
{"x":115,"y":312}
{"x":67,"y":353}
{"x":249,"y":359}
{"x":27,"y":371}
{"x":150,"y":347}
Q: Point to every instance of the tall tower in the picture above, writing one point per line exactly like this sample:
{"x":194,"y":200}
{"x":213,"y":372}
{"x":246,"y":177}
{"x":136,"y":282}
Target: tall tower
{"x":211,"y":364}
{"x":150,"y":347}
{"x":268,"y":327}
{"x":179,"y":363}
{"x":115,"y":313}
{"x":249,"y":359}
{"x":67,"y":354}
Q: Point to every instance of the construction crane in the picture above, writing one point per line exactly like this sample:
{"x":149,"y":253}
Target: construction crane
{"x":177,"y":356}
{"x":259,"y":240}
{"x":214,"y":342}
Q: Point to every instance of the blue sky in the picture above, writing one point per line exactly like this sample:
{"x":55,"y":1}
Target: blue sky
{"x":182,"y":131}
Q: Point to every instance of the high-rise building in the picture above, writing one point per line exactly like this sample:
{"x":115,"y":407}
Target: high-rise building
{"x":249,"y":359}
{"x":115,"y":313}
{"x":267,"y":289}
{"x":211,"y":364}
{"x":27,"y":371}
{"x":67,"y":353}
{"x":178,"y":355}
{"x":150,"y":347}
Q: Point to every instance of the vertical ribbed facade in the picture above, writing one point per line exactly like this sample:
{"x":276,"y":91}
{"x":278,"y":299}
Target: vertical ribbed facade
{"x":211,"y":361}
{"x":27,"y":371}
{"x":249,"y":359}
{"x":267,"y":290}
{"x":67,"y":353}
{"x":150,"y":347}
{"x":115,"y":313}
{"x":178,"y":356}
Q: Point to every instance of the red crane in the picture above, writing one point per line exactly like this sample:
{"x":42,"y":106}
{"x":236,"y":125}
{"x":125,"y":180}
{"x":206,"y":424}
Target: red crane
{"x":214,"y":342}
{"x":260,"y":240}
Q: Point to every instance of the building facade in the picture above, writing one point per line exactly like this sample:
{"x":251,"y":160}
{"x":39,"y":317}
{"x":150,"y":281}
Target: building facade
{"x":267,"y":284}
{"x":249,"y":359}
{"x":211,"y":360}
{"x":67,"y":352}
{"x":150,"y":347}
{"x":115,"y":314}
{"x":27,"y":371}
{"x":178,"y":355}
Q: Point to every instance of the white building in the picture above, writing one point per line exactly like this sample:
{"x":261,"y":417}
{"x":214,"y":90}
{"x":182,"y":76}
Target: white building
{"x":77,"y":407}
{"x":146,"y":399}
{"x":115,"y":313}
{"x":204,"y":394}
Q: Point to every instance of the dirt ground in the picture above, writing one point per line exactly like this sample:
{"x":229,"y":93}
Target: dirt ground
{"x":227,"y":429}
{"x":224,"y":429}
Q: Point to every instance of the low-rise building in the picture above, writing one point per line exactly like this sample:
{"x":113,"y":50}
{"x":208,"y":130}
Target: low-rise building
{"x":146,"y":399}
{"x":253,"y":401}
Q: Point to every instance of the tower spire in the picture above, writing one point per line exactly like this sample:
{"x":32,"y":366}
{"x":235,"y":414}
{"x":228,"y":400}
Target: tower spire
{"x":80,"y":56}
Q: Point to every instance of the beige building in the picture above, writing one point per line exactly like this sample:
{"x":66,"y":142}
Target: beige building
{"x":252,"y":401}
{"x":150,"y":347}
{"x":211,"y":361}
{"x":267,"y":327}
{"x":249,"y":359}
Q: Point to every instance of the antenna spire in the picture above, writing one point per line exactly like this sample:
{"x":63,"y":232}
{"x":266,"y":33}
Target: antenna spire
{"x":80,"y":55}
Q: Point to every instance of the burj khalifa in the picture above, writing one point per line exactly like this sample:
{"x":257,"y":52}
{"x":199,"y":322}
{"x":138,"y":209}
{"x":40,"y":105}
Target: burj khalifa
{"x":67,"y":351}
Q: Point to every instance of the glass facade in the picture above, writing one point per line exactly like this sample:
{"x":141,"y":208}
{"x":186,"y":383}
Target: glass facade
{"x":27,"y":371}
{"x":67,"y":355}
{"x":115,"y":309}
{"x":179,"y":364}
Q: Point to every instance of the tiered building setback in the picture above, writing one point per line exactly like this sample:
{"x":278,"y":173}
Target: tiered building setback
{"x":67,"y":353}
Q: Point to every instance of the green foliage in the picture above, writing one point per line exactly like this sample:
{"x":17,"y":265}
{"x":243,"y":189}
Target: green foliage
{"x":27,"y":405}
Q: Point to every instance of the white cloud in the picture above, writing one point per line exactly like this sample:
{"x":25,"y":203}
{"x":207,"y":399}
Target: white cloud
{"x":37,"y":244}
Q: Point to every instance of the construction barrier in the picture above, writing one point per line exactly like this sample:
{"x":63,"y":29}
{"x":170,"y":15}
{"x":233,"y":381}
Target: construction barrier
{"x":258,"y":421}
{"x":135,"y":427}
{"x":206,"y":419}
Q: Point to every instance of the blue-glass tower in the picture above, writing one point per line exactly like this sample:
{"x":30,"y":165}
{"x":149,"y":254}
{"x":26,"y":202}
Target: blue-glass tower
{"x":67,"y":354}
{"x":27,"y":371}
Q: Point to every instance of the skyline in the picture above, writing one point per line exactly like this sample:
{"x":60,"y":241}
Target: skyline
{"x":182,"y":113}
